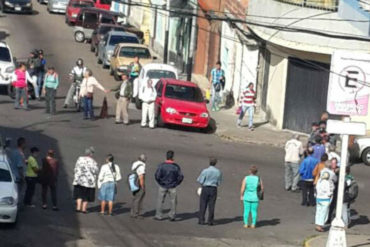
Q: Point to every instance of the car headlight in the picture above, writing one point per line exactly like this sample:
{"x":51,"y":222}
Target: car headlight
{"x":8,"y":4}
{"x":204,"y":114}
{"x":28,"y":4}
{"x":109,"y":54}
{"x":123,"y":67}
{"x":74,"y":15}
{"x":7,"y":201}
{"x":10,"y":69}
{"x":171,"y":110}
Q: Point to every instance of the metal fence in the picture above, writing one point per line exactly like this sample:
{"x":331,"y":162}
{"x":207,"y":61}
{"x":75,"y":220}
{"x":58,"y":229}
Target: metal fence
{"x":331,"y":5}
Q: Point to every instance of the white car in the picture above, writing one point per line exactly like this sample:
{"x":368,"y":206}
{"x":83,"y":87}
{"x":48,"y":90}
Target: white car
{"x":154,"y":71}
{"x":362,"y":149}
{"x":8,"y":191}
{"x":7,"y":66}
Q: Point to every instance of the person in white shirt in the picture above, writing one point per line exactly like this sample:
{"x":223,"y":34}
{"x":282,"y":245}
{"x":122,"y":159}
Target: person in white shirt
{"x":108,"y":177}
{"x":76,"y":75}
{"x":87,"y":92}
{"x":148,"y":96}
{"x":293,"y":153}
{"x":138,"y":196}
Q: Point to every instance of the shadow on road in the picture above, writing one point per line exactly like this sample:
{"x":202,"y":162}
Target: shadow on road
{"x":35,"y":226}
{"x":272,"y":222}
{"x":225,"y":221}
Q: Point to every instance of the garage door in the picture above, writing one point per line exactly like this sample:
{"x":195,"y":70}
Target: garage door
{"x":306,"y":94}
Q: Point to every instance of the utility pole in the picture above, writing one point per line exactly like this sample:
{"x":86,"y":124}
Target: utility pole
{"x":167,"y":33}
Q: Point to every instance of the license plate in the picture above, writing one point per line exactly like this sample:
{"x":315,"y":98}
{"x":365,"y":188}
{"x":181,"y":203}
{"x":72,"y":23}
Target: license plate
{"x":17,"y":8}
{"x":187,"y":120}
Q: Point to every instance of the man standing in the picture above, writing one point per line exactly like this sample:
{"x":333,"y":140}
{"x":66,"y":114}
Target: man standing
{"x":32,"y":171}
{"x":134,"y":68}
{"x":18,"y":163}
{"x":168,"y":177}
{"x":293,"y":153}
{"x":76,"y":75}
{"x":125,"y":93}
{"x":305,"y":171}
{"x":148,"y":96}
{"x":210,"y":178}
{"x":217,"y":75}
{"x":247,"y":102}
{"x":40,"y":70}
{"x":138,"y":196}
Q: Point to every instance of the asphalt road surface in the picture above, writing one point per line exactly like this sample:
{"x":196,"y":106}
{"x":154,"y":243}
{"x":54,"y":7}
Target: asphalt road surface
{"x":282,"y":221}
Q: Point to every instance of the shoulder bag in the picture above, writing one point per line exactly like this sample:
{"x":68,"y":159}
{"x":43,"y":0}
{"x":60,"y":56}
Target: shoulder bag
{"x":260,"y":192}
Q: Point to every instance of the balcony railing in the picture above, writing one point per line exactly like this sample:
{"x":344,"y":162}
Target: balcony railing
{"x":331,"y":5}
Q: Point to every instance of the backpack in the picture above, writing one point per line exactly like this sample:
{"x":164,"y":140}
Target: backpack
{"x":351,"y":192}
{"x":133,"y":180}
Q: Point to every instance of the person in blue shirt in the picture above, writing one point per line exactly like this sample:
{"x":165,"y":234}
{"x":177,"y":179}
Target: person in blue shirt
{"x":217,"y":77}
{"x":305,"y":171}
{"x":318,"y":148}
{"x":18,"y":163}
{"x":210,"y":178}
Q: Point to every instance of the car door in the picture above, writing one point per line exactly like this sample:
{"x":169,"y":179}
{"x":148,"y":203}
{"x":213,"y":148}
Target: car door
{"x":114,"y":58}
{"x":158,"y":101}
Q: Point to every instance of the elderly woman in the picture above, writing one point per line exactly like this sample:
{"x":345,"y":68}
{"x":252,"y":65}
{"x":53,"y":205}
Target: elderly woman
{"x":249,"y":196}
{"x":107,"y":183}
{"x":324,"y":194}
{"x":84,"y":182}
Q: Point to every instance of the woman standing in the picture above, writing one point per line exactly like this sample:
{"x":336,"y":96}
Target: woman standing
{"x":107,"y":183}
{"x":84,"y":182}
{"x":87,"y":92}
{"x":324,"y":193}
{"x":49,"y":174}
{"x":51,"y":83}
{"x":249,"y":195}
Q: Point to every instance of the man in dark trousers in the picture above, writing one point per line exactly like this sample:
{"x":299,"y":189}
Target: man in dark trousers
{"x":210,"y":178}
{"x":168,"y":177}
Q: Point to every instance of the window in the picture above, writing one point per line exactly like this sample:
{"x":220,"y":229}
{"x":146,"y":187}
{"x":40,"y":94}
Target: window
{"x":82,"y":4}
{"x":5,"y":54}
{"x":104,"y":29}
{"x":134,"y":51}
{"x":91,"y":18}
{"x":116,"y":39}
{"x":185,"y":93}
{"x":107,"y":20}
{"x":108,"y":2}
{"x":159,"y":89}
{"x":158,"y":74}
{"x":5,"y":175}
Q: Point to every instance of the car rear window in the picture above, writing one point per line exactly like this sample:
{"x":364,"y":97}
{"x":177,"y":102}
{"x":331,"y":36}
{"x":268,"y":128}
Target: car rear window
{"x":82,"y":4}
{"x":5,"y":54}
{"x":134,"y":51}
{"x":5,"y":175}
{"x":185,"y":93}
{"x":158,"y":74}
{"x":107,"y":20}
{"x":116,"y":39}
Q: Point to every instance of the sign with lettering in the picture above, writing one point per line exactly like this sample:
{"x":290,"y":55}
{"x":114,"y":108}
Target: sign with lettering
{"x":349,"y":84}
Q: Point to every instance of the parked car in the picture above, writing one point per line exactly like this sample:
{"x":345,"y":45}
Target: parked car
{"x":16,"y":6}
{"x":154,"y":71}
{"x":361,"y":149}
{"x":57,"y":6}
{"x":74,"y":7}
{"x":123,"y":55}
{"x":89,"y":19}
{"x":7,"y":66}
{"x":180,"y":103}
{"x":102,"y":29}
{"x":103,"y":4}
{"x":8,"y":192}
{"x":110,"y":40}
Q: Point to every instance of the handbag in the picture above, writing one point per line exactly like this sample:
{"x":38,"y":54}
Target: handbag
{"x":260,"y":192}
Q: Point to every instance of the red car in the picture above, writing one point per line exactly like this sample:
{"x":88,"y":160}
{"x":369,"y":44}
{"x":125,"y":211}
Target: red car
{"x":103,"y":4}
{"x":180,"y":103}
{"x":74,"y":7}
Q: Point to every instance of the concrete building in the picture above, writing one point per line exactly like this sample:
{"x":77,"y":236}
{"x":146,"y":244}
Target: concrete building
{"x":297,"y":39}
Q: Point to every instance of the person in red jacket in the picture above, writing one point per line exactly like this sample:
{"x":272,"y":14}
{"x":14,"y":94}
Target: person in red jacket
{"x":20,"y":85}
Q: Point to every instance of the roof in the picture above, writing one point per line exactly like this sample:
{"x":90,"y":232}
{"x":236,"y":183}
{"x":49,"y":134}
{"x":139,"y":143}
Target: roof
{"x":103,"y":11}
{"x":3,"y":44}
{"x":133,"y":45}
{"x":162,"y":66}
{"x":122,"y":33}
{"x":180,"y":82}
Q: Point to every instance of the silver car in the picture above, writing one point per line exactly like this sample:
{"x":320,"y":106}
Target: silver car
{"x":361,"y":149}
{"x":57,"y":6}
{"x":110,"y":40}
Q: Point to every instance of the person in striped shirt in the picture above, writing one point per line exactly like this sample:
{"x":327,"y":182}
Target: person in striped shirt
{"x":247,"y":102}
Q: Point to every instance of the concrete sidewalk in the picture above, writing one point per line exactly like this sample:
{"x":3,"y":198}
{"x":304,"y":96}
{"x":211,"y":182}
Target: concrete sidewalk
{"x":352,"y":241}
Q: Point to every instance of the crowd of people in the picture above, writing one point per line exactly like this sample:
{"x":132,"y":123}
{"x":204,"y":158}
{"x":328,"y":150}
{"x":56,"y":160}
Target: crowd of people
{"x":315,"y":170}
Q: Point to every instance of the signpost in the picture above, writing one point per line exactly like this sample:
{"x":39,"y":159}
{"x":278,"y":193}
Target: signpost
{"x":348,"y":94}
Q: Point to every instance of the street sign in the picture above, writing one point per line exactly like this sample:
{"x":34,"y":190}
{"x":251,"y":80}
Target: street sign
{"x":349,"y":84}
{"x":346,"y":128}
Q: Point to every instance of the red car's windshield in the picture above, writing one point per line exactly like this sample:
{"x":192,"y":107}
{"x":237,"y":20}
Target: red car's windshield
{"x":82,"y":4}
{"x":185,"y":93}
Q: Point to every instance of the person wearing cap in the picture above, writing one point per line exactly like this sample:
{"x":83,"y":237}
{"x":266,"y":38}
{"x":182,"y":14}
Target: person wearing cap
{"x":32,"y":171}
{"x":84,"y":182}
{"x":305,"y":171}
{"x":123,"y":94}
{"x":148,"y":95}
{"x":293,"y":154}
{"x":324,"y":194}
{"x":138,"y":196}
{"x":48,"y":179}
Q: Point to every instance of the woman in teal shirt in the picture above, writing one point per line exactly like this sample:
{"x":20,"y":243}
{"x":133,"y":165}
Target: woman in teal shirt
{"x":51,"y":83}
{"x":249,"y":196}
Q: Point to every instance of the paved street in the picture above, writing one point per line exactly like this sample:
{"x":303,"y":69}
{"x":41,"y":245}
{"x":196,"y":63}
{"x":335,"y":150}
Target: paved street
{"x":282,"y":221}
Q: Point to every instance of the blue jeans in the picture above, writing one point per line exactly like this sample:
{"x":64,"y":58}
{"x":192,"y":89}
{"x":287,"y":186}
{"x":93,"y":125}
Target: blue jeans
{"x":40,"y":81}
{"x":88,"y":107}
{"x":250,"y":110}
{"x":21,"y":93}
{"x":216,"y":98}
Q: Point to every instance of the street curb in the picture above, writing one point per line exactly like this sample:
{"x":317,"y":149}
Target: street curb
{"x":308,"y":240}
{"x":239,"y":140}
